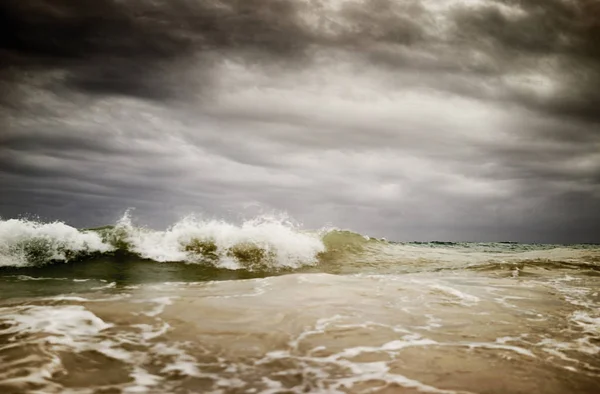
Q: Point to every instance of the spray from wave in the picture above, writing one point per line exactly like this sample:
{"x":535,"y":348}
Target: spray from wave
{"x":26,"y":243}
{"x":263,"y":242}
{"x":271,"y":243}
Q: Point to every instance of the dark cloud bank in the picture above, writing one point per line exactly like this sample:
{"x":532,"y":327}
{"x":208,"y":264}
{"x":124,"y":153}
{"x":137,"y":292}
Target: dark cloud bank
{"x":413,"y":120}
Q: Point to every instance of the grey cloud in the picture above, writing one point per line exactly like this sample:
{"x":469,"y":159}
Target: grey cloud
{"x":138,"y":48}
{"x":557,"y":36}
{"x":398,"y":119}
{"x":70,"y":144}
{"x":111,"y":47}
{"x":225,"y":163}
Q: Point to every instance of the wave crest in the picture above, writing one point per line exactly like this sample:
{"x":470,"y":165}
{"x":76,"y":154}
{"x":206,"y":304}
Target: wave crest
{"x":263,"y":242}
{"x":26,"y":243}
{"x":268,"y":243}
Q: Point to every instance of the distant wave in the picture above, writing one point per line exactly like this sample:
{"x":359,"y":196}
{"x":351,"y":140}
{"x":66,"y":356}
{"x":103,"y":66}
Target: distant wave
{"x":263,"y":243}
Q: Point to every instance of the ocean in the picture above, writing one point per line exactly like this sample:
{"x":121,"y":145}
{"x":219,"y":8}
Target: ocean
{"x":265,"y":306}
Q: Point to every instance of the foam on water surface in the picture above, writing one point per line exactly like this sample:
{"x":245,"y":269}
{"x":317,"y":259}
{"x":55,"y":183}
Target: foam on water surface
{"x":352,"y":314}
{"x":316,"y":332}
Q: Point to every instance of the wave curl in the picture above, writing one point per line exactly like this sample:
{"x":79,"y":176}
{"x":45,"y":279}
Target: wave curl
{"x":270,"y":243}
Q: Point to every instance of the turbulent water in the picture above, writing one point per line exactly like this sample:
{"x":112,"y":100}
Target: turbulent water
{"x":265,"y":307}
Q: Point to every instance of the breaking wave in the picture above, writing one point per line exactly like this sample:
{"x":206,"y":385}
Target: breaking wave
{"x":261,"y":242}
{"x":269,"y":243}
{"x":25,"y":243}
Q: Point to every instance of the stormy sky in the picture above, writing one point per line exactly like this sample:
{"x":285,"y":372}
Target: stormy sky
{"x":473,"y":120}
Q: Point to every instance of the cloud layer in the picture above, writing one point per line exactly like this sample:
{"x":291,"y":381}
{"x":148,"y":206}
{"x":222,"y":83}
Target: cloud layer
{"x":413,"y":120}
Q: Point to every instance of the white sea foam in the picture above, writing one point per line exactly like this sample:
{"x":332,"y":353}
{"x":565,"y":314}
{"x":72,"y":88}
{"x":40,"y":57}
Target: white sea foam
{"x":27,"y":278}
{"x":588,"y":323}
{"x":361,"y":372}
{"x":73,"y":328}
{"x":142,"y":381}
{"x":64,"y":322}
{"x":52,"y":328}
{"x":283,"y":240}
{"x":459,"y":296}
{"x":110,"y":285}
{"x":268,"y":241}
{"x":161,"y":303}
{"x":364,"y":372}
{"x":149,"y":332}
{"x":181,"y":362}
{"x":25,"y":242}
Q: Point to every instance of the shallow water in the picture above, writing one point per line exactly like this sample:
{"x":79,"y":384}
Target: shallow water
{"x":451,"y":331}
{"x":363,"y":316}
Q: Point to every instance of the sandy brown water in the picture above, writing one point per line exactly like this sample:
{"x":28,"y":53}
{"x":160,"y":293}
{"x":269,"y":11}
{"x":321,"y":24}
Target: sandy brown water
{"x":510,"y":330}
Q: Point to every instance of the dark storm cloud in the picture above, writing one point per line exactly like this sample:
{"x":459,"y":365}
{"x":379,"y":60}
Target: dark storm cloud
{"x":556,"y":36}
{"x":408,"y":119}
{"x":127,"y":47}
{"x":67,"y":144}
{"x":130,"y":47}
